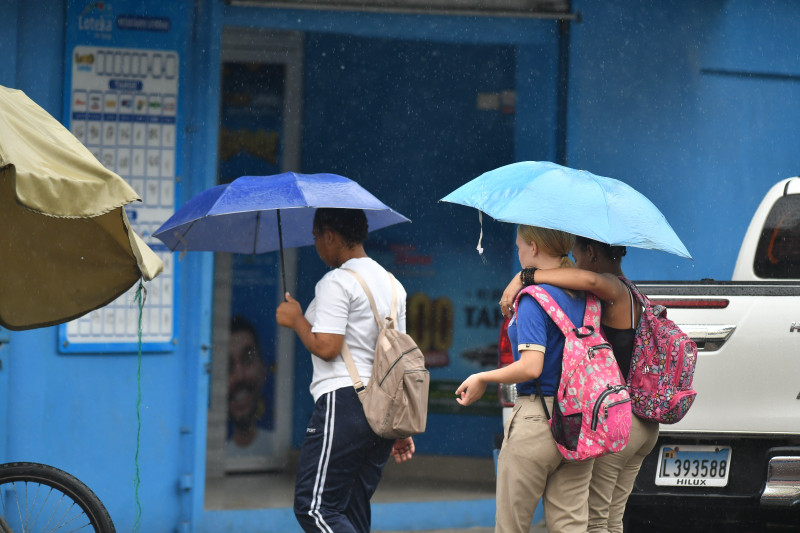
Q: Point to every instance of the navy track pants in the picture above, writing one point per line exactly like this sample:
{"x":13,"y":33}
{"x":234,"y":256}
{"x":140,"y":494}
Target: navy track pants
{"x":339,"y":468}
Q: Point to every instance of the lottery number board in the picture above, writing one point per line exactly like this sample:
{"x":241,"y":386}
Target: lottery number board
{"x":123,"y":108}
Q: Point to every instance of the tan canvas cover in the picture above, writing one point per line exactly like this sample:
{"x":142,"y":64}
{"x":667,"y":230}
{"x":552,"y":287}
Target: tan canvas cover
{"x":66,"y":245}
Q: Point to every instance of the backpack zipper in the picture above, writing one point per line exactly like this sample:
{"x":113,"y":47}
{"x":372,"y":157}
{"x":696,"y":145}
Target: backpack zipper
{"x":389,"y":371}
{"x":596,"y":410}
{"x":593,"y":349}
{"x":679,"y":368}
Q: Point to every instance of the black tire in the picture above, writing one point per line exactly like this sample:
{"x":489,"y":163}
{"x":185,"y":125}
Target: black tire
{"x":34,"y":495}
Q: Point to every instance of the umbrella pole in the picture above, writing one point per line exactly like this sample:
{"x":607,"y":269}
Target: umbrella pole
{"x":283,"y":266}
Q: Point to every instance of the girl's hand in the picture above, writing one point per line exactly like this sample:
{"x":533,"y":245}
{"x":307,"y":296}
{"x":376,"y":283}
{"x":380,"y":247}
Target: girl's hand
{"x":471,"y":390}
{"x":507,"y":300}
{"x":288,"y":312}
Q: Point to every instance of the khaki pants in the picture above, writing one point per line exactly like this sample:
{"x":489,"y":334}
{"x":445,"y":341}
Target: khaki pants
{"x":613,"y":476}
{"x":530,"y":468}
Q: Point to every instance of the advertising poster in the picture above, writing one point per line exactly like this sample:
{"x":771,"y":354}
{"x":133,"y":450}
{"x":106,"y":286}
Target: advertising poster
{"x":452,"y":309}
{"x":251,"y":125}
{"x":122,"y":102}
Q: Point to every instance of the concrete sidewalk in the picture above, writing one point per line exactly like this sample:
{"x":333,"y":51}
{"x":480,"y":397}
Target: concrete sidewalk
{"x":431,"y":490}
{"x":536,"y":528}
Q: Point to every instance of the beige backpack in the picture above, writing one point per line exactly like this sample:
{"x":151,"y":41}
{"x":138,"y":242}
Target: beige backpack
{"x":396,"y":398}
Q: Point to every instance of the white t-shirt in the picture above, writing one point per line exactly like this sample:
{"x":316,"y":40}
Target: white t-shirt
{"x":340,"y":306}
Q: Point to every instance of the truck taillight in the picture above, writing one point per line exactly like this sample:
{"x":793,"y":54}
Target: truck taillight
{"x":505,"y":356}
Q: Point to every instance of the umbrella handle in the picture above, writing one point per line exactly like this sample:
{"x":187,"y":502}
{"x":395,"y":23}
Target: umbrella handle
{"x":283,"y":266}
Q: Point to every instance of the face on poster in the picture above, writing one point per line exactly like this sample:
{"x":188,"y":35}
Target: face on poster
{"x":251,"y":357}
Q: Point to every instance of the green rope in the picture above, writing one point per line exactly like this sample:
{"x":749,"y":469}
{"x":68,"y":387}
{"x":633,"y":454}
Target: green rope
{"x":141,"y":295}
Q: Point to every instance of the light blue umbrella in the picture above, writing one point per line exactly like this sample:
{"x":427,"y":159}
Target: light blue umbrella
{"x":544,"y":194}
{"x":256,"y":214}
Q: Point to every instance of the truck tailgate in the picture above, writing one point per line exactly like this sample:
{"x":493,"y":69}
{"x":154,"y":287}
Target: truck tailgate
{"x":748,"y":371}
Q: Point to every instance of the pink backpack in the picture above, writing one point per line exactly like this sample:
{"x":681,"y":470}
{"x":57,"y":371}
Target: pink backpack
{"x":662,"y":365}
{"x":592,"y":413}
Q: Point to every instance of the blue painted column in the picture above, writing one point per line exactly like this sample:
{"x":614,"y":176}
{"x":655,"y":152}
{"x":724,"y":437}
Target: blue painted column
{"x":40,"y":61}
{"x":8,"y":44}
{"x":201,"y":126}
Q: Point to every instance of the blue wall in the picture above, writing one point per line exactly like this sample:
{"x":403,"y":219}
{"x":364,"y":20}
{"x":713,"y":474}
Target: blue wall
{"x":78,"y":412}
{"x":8,"y":43}
{"x":411,"y":126}
{"x":390,"y":101}
{"x":694,"y":104}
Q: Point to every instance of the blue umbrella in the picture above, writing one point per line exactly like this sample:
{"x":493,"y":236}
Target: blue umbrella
{"x":544,"y":194}
{"x":255,"y":214}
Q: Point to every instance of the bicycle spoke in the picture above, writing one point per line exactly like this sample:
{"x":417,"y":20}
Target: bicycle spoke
{"x":36,"y":496}
{"x":16,"y":498}
{"x":42,"y":509}
{"x":62,"y":523}
{"x":30,"y":507}
{"x":3,"y":502}
{"x":64,"y":519}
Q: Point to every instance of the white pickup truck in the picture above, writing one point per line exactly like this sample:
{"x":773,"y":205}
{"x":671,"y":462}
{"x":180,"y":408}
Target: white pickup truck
{"x":735,"y":457}
{"x":733,"y":463}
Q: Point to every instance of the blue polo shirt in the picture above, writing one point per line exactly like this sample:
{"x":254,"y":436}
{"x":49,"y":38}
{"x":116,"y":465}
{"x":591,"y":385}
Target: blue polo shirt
{"x":532,"y":325}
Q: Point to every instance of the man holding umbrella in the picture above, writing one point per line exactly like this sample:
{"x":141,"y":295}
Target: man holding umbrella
{"x":342,"y":459}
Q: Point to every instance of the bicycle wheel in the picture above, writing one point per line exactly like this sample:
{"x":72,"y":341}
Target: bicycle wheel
{"x":37,"y":498}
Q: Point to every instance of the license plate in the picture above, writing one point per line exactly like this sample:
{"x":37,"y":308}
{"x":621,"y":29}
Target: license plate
{"x":693,"y":466}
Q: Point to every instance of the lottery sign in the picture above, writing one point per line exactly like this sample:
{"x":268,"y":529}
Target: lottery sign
{"x":123,"y":108}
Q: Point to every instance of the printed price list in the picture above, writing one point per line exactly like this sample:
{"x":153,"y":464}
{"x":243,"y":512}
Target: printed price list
{"x":124,"y":110}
